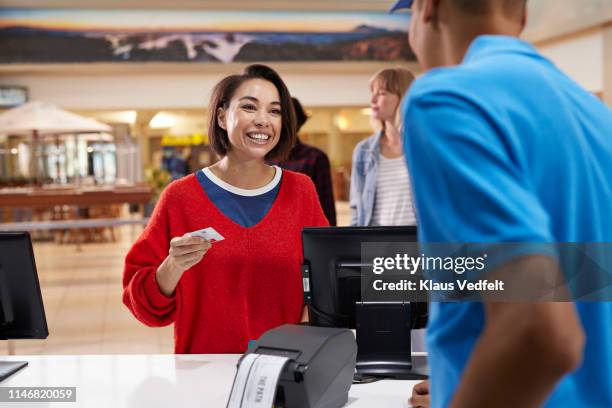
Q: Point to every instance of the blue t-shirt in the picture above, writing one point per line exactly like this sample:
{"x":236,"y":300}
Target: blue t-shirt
{"x":506,"y":148}
{"x":244,"y":207}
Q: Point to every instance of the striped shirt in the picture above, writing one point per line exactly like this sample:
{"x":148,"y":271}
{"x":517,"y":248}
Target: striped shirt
{"x":393,"y":202}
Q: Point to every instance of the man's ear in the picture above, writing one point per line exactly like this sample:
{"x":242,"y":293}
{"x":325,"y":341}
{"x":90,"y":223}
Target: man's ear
{"x":524,"y":17}
{"x":430,"y":10}
{"x":221,"y":118}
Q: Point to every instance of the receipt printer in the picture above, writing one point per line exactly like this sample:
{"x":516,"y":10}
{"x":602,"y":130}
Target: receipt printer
{"x":321,"y":364}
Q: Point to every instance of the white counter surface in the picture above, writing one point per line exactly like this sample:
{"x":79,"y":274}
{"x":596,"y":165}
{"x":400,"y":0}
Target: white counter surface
{"x":162,"y":381}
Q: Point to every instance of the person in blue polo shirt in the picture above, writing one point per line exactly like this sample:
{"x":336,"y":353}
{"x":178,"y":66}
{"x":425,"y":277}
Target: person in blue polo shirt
{"x":503,"y":147}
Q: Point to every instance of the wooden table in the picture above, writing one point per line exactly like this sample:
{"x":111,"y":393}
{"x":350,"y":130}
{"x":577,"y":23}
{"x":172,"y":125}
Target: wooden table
{"x":81,"y":197}
{"x":54,"y":200}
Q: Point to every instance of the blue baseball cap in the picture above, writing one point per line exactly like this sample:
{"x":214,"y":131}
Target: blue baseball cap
{"x":401,"y":4}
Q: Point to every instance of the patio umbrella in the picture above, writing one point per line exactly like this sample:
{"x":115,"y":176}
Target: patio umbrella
{"x":45,"y":118}
{"x":40,"y":118}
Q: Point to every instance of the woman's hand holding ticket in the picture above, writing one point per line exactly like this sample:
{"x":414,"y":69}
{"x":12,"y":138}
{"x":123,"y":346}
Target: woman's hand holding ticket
{"x":185,"y":252}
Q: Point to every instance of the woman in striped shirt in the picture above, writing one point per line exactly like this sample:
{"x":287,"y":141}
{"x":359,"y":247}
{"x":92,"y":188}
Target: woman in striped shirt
{"x":381,"y":193}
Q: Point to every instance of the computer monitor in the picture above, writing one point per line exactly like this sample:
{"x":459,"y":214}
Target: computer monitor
{"x":22,"y":314}
{"x":332,"y":286}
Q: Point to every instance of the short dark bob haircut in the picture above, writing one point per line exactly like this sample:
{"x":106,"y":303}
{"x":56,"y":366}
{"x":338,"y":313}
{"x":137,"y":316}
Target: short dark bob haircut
{"x":222,"y":95}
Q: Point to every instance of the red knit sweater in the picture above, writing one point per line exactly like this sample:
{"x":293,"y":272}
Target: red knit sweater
{"x":244,"y":285}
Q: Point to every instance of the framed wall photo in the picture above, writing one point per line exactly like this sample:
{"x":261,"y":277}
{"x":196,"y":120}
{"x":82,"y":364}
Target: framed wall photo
{"x":200,"y":36}
{"x":11,"y":96}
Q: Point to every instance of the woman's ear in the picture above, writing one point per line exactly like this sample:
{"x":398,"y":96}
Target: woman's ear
{"x":221,"y":118}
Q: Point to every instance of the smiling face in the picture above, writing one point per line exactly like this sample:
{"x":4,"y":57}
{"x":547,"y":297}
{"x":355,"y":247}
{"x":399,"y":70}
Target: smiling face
{"x":252,"y":119}
{"x":384,"y":104}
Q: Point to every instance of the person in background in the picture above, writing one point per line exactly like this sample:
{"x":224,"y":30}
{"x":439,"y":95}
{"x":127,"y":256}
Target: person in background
{"x":504,"y":147}
{"x":220,"y":295}
{"x":174,"y":162}
{"x":380,"y":191}
{"x":313,"y":162}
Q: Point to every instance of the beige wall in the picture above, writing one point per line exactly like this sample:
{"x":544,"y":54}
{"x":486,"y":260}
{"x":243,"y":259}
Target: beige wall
{"x":549,"y":19}
{"x":607,"y":64}
{"x":175,"y":86}
{"x":575,"y":35}
{"x":580,"y":56}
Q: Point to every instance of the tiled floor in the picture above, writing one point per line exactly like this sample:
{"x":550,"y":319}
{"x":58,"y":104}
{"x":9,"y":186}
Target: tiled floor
{"x":82,"y":297}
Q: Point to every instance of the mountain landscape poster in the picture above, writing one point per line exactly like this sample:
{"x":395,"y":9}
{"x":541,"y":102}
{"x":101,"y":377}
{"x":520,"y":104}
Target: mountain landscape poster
{"x":89,"y":35}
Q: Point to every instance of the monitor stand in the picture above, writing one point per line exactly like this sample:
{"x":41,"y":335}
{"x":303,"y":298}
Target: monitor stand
{"x":417,"y":369}
{"x":383,"y":342}
{"x":8,"y":368}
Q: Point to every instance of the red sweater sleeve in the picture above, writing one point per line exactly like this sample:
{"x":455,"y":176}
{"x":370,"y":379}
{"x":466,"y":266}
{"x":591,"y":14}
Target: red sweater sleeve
{"x":141,"y":294}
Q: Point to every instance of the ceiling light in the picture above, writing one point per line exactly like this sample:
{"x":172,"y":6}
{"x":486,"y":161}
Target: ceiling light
{"x":162,"y":120}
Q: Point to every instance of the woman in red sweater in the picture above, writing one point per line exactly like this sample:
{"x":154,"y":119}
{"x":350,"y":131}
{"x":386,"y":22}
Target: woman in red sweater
{"x":221,"y":295}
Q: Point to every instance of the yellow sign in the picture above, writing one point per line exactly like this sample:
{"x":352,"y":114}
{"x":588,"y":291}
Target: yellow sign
{"x":192,"y":140}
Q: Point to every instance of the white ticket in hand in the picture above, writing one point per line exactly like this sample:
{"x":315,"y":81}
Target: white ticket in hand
{"x":209,"y":234}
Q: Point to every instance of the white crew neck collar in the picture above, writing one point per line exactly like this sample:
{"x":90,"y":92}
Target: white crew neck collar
{"x":245,"y":191}
{"x":385,"y":158}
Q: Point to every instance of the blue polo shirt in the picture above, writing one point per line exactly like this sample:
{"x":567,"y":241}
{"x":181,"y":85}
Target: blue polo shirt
{"x":506,"y":148}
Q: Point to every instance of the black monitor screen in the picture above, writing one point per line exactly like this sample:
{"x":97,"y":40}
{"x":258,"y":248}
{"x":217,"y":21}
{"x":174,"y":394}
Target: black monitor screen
{"x":333,"y":256}
{"x":22,"y":315}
